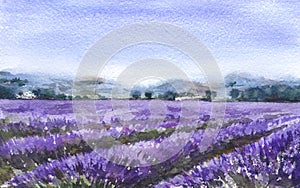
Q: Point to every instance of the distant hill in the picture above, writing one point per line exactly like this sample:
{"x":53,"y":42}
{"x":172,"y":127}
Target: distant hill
{"x":180,"y":86}
{"x":16,"y":84}
{"x":6,"y":74}
{"x":46,"y":86}
{"x":246,"y":87}
{"x":246,"y":80}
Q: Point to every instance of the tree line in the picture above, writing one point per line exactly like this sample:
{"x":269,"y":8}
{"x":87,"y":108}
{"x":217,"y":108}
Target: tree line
{"x":267,"y":93}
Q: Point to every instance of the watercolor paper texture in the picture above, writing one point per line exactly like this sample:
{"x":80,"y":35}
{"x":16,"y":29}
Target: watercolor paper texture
{"x":149,"y":93}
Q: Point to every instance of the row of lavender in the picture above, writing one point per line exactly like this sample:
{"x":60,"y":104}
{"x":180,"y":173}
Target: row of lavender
{"x":57,"y":152}
{"x":51,"y":143}
{"x":271,"y":161}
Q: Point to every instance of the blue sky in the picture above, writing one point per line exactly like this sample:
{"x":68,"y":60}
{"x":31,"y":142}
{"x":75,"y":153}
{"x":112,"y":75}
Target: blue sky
{"x":259,"y":37}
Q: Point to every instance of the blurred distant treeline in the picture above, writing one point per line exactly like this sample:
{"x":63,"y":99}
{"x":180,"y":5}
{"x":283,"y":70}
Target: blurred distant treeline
{"x":267,"y":93}
{"x":13,"y":88}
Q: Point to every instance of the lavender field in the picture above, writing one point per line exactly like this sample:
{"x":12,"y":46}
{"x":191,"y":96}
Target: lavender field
{"x":149,"y":143}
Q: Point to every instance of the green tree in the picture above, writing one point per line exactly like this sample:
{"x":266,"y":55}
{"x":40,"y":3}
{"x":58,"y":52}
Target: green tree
{"x":136,"y":94}
{"x":6,"y":93}
{"x":170,"y":95}
{"x":148,"y":94}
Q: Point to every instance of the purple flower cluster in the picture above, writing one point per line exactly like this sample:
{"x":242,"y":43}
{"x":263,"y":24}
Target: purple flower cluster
{"x":258,"y":145}
{"x":16,"y":146}
{"x":250,"y":128}
{"x":90,"y":165}
{"x":41,"y":126}
{"x":272,"y":161}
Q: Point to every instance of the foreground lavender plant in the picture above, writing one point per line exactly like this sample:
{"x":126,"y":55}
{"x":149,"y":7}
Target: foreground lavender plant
{"x":85,"y":164}
{"x":272,"y":161}
{"x":36,"y":127}
{"x":26,"y":153}
{"x":92,"y":166}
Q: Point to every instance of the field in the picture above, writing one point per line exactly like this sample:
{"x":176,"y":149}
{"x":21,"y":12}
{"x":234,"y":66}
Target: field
{"x":148,"y":143}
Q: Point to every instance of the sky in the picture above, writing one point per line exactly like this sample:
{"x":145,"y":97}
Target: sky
{"x":258,"y":37}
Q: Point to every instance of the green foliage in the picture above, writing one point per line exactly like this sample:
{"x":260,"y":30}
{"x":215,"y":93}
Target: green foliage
{"x":148,"y":94}
{"x":83,"y":181}
{"x":6,"y":93}
{"x":136,"y":94}
{"x":48,"y":94}
{"x":61,"y":96}
{"x":146,"y":136}
{"x":19,"y":81}
{"x":273,"y":93}
{"x":169,"y":95}
{"x":6,"y":172}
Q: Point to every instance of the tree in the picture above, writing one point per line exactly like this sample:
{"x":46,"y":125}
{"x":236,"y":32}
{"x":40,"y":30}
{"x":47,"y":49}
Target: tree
{"x":44,"y":93}
{"x":37,"y":92}
{"x":6,"y":93}
{"x":148,"y":94}
{"x":170,"y":95}
{"x":208,"y":95}
{"x":135,"y":94}
{"x":61,"y":96}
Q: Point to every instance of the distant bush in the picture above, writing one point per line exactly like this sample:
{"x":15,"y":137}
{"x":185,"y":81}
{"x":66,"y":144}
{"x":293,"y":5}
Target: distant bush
{"x":135,"y":94}
{"x":267,"y":93}
{"x":209,"y":95}
{"x":61,"y":96}
{"x":19,"y":81}
{"x":148,"y":94}
{"x":169,"y":95}
{"x":6,"y":93}
{"x":48,"y":94}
